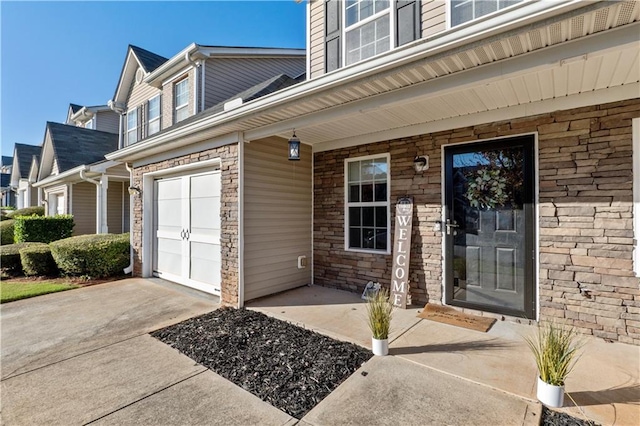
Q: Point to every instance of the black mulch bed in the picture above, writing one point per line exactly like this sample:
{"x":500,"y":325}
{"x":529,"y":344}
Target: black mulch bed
{"x":289,"y":367}
{"x":556,"y":418}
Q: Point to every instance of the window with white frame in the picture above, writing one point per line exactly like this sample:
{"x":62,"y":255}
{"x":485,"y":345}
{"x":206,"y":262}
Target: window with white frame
{"x":132,"y":126}
{"x":367,"y":29}
{"x":467,"y":10}
{"x":367,"y":204}
{"x":182,"y":99}
{"x":153,"y":115}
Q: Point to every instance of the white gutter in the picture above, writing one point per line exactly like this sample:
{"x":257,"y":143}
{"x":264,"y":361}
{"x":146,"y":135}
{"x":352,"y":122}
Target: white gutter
{"x":129,"y":269}
{"x":61,"y":176}
{"x":203,"y":77}
{"x":420,"y":49}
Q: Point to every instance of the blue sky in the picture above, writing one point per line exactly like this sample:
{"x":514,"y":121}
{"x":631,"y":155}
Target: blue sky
{"x":55,"y":53}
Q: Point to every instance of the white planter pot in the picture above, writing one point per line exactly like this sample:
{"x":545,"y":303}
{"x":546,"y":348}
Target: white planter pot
{"x":550,"y":395}
{"x":380,"y":347}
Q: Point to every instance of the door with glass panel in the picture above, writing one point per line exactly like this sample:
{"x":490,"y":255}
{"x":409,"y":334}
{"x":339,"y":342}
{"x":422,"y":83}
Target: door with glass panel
{"x":489,"y":226}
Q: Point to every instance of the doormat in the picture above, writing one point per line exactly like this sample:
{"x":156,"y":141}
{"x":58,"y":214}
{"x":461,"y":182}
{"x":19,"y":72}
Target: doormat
{"x":447,"y":315}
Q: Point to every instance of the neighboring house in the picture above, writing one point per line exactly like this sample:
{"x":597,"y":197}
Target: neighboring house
{"x":21,"y":179}
{"x":513,"y":126}
{"x":99,"y":117}
{"x":75,"y":178}
{"x":8,"y":196}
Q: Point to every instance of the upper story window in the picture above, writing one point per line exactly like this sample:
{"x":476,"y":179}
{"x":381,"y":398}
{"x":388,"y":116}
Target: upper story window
{"x":89,"y":124}
{"x":182,"y":100}
{"x":356,"y":30}
{"x":367,"y":204}
{"x":153,"y":115}
{"x":467,"y":10}
{"x":367,"y":29}
{"x":132,"y":126}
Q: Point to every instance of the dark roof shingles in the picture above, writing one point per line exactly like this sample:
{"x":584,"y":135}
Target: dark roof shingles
{"x":25,"y":154}
{"x":149,"y":60}
{"x":76,"y":146}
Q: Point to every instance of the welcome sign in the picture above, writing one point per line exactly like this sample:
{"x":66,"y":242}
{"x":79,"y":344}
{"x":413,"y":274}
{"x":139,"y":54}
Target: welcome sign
{"x":401,"y":252}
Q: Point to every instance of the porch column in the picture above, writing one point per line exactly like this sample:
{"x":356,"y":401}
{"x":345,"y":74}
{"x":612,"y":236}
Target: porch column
{"x":101,"y":205}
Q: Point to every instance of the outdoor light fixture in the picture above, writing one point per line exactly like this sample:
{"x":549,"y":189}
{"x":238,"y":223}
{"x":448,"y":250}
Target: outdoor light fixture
{"x":421,"y":163}
{"x":134,"y":190}
{"x":294,"y":148}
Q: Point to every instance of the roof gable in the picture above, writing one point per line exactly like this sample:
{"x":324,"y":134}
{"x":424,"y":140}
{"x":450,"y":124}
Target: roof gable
{"x":136,"y":57}
{"x":75,"y":146}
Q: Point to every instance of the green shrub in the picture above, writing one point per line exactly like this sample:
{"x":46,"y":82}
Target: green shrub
{"x":43,"y":229}
{"x":37,"y":260}
{"x":10,"y":257}
{"x":96,"y":256}
{"x":6,"y":232}
{"x":27,"y":211}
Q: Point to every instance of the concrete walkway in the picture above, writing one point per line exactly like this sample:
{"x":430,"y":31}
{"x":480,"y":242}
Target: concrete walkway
{"x":605,"y":384}
{"x":85,"y":356}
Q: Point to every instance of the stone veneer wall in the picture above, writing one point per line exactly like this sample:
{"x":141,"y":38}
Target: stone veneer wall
{"x":228,"y":213}
{"x":585,"y":216}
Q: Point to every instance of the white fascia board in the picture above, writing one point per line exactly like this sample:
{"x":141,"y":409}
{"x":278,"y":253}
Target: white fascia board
{"x":243,"y":52}
{"x":62,"y":177}
{"x":127,"y":75}
{"x":602,"y":96}
{"x":156,"y":77}
{"x":420,"y":49}
{"x":103,"y":166}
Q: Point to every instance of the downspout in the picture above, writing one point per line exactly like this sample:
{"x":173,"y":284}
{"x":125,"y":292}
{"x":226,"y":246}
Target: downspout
{"x":195,"y":65}
{"x":129,"y":269}
{"x":101,"y":188}
{"x":203,"y":76}
{"x":118,"y":108}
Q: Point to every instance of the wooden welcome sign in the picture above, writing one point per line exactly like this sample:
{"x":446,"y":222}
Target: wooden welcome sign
{"x":401,"y":252}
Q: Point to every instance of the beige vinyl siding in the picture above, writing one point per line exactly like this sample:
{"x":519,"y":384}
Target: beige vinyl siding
{"x":316,"y":31}
{"x":107,"y":121}
{"x":434,"y":17}
{"x":139,"y":94}
{"x":34,"y":196}
{"x":83,"y":208}
{"x":277,"y":217}
{"x":114,"y":207}
{"x":226,"y":77}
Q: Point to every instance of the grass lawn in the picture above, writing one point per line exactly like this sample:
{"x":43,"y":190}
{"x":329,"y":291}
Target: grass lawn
{"x":15,"y":290}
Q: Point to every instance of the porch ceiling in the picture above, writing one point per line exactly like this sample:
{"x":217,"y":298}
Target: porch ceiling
{"x":549,"y":62}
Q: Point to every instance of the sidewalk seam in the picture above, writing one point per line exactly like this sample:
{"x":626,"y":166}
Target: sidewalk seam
{"x":145,"y":397}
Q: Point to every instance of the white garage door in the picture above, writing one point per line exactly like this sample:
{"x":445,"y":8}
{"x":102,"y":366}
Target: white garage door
{"x":187,"y":230}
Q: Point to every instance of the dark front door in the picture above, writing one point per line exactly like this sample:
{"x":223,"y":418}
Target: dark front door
{"x":489,"y":226}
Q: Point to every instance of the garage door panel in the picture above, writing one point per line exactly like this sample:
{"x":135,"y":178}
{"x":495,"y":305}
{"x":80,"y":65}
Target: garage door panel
{"x":169,"y":256}
{"x":169,"y":217}
{"x":207,"y":185}
{"x":168,"y":189}
{"x":205,"y":263}
{"x":204,"y":216}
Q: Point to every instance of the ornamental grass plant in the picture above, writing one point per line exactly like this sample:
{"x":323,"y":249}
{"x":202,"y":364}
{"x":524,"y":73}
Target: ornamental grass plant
{"x":379,"y":313}
{"x":555,"y":350}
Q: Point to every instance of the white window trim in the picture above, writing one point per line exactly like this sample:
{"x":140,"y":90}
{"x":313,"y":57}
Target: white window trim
{"x":175,"y":98}
{"x":392,"y":30}
{"x":149,"y":121}
{"x":387,"y":157}
{"x":128,"y":130}
{"x":636,"y":195}
{"x":484,"y":17}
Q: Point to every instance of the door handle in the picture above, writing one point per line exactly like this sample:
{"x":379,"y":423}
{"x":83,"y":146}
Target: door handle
{"x":450,"y":225}
{"x":182,"y":234}
{"x":186,"y":234}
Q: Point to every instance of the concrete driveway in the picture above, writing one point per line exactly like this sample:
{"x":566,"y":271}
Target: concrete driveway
{"x":84,"y":356}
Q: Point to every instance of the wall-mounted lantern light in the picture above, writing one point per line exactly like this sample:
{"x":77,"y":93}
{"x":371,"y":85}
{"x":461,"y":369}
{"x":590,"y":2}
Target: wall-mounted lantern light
{"x":134,"y":190}
{"x":421,"y":163}
{"x":294,"y":147}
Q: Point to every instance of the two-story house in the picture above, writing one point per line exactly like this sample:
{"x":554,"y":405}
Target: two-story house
{"x":513,"y":128}
{"x":73,"y":176}
{"x":99,"y":117}
{"x":157,"y":98}
{"x":22,"y":179}
{"x":8,"y":197}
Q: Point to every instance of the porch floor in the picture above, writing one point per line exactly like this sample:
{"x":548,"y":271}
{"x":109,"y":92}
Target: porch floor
{"x":605,"y":383}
